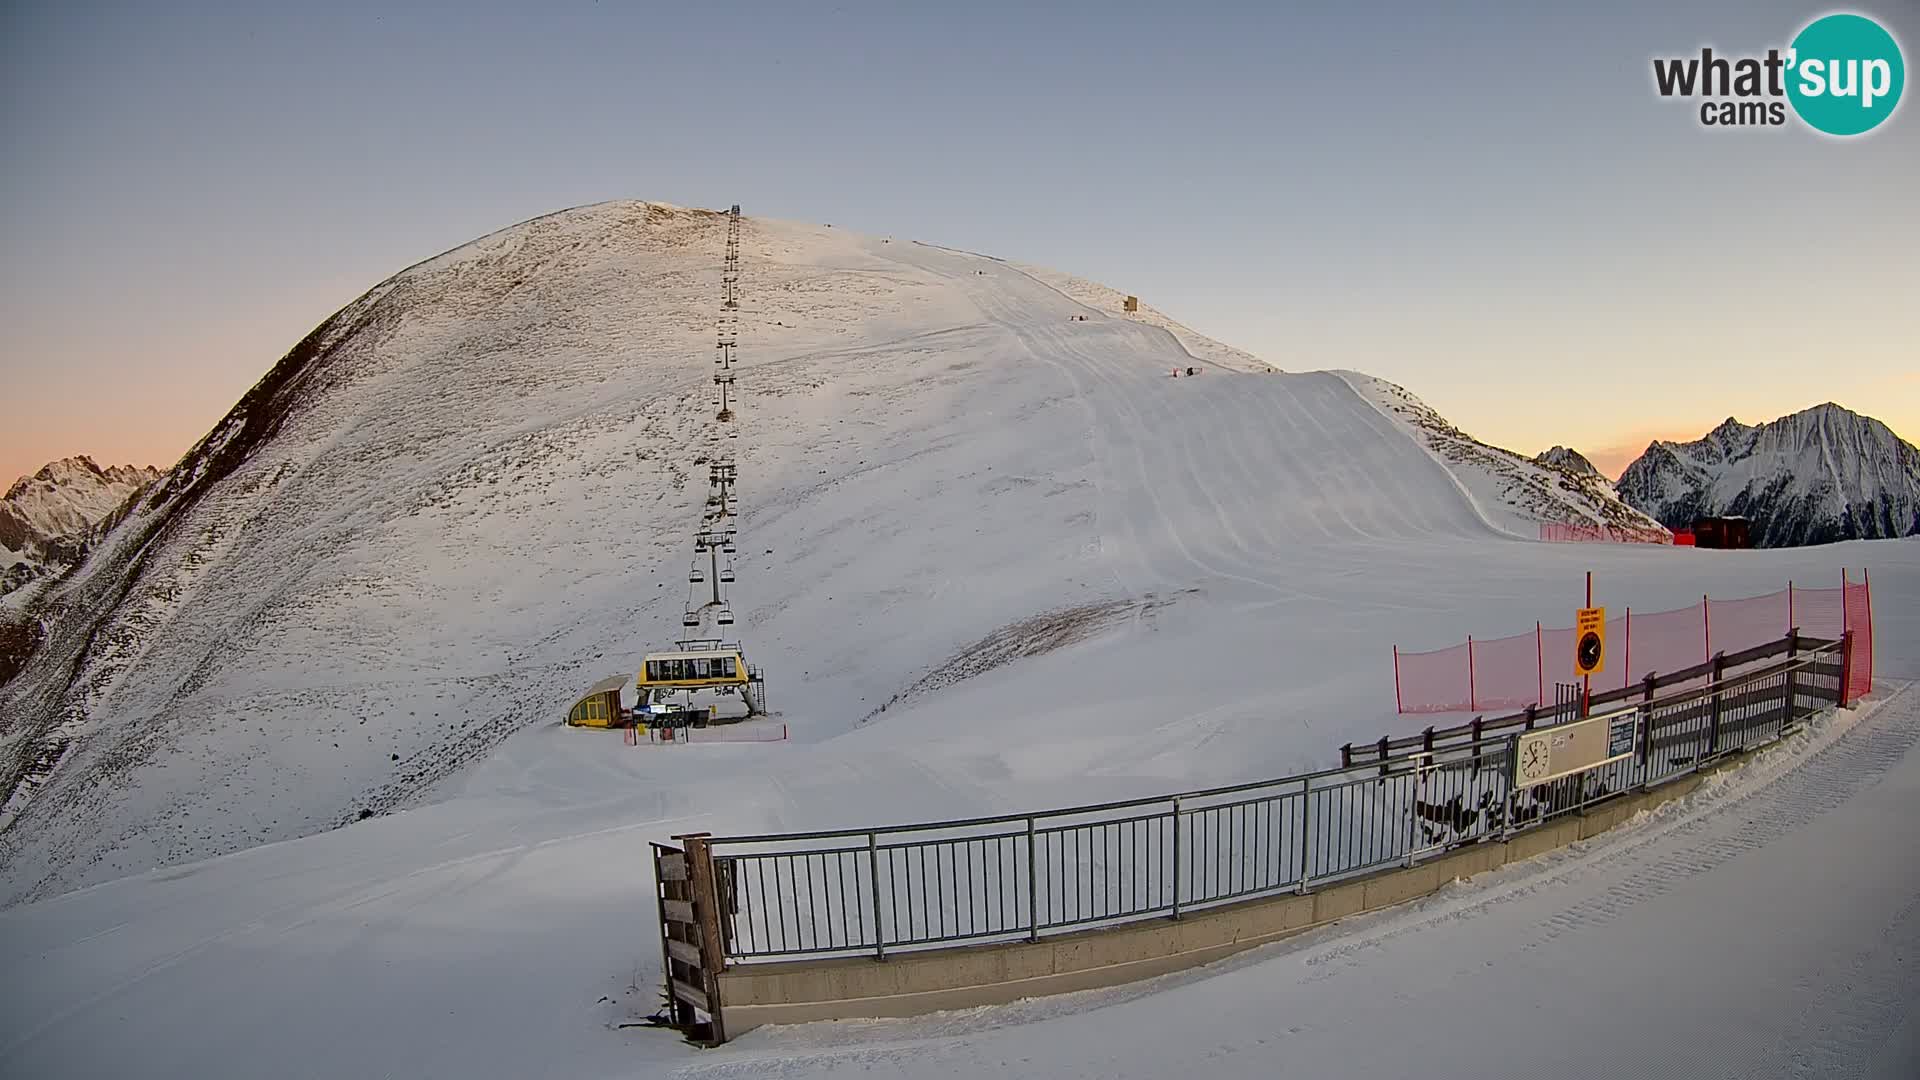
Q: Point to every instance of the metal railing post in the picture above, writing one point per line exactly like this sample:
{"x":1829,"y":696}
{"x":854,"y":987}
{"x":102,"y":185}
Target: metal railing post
{"x":1793,"y":655}
{"x":1306,"y":835}
{"x":873,"y":880}
{"x":1033,"y":887}
{"x":1718,"y":675}
{"x":1413,"y":802}
{"x":1176,"y":856}
{"x":1846,"y":663}
{"x":1646,"y":745}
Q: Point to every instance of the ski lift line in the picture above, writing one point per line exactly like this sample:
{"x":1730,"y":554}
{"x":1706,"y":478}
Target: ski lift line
{"x":716,"y":535}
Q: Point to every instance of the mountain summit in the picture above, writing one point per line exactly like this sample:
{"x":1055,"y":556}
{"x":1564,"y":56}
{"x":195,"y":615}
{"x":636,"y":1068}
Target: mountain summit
{"x":1569,"y":459}
{"x":1820,"y":475}
{"x":44,"y":517}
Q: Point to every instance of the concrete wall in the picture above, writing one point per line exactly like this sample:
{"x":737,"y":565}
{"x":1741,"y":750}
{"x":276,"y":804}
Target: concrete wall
{"x":911,"y":983}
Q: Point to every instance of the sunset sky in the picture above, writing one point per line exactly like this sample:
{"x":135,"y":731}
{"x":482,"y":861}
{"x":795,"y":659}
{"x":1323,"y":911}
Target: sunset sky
{"x":1496,"y":211}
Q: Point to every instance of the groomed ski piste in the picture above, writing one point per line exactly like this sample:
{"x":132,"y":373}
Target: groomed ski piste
{"x":1066,"y":576}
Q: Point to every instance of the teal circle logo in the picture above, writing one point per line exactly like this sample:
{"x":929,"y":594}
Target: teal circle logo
{"x":1845,"y":74}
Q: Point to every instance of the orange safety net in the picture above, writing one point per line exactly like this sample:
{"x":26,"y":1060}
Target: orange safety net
{"x":1521,"y":670}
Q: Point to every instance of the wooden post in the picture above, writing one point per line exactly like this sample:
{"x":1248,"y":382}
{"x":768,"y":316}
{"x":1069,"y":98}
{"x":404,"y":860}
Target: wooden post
{"x":669,"y":875}
{"x":706,"y":910}
{"x":1383,"y":755}
{"x":1531,"y":709}
{"x":1478,"y":723}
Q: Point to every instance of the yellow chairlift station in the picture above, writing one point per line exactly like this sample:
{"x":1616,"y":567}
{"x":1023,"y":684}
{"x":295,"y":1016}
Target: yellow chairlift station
{"x":693,"y":669}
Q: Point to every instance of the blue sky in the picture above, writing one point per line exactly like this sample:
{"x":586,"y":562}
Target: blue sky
{"x":1492,"y":208}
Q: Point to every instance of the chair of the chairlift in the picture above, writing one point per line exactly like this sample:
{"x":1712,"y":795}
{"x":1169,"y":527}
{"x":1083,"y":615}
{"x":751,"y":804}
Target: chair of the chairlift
{"x":690,"y":619}
{"x":698,"y":575}
{"x":726,"y":617}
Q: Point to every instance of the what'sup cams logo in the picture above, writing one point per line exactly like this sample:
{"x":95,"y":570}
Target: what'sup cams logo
{"x":1842,"y":75}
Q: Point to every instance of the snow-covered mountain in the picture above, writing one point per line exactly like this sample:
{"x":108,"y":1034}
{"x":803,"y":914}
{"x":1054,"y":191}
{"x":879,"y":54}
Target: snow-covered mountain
{"x":469,"y":494}
{"x":1819,"y":475}
{"x":44,"y":518}
{"x":965,"y":494}
{"x":1567,"y":458}
{"x":1515,"y":493}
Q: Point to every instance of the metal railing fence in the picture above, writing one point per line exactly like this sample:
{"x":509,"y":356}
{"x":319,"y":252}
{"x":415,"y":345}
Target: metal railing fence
{"x":872,"y":891}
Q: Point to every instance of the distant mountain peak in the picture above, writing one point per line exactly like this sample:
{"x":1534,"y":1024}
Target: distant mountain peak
{"x":1567,"y":458}
{"x":44,"y":517}
{"x":1822,"y":474}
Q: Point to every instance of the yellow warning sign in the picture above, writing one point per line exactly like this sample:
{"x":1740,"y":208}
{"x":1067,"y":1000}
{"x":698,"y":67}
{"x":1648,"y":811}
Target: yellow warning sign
{"x":1590,"y":641}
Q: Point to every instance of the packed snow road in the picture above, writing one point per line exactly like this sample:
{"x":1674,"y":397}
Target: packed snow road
{"x":1770,"y":926}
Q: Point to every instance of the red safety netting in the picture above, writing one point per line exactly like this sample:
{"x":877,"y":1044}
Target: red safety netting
{"x":1506,"y":672}
{"x":1819,"y":612}
{"x":1857,"y":602}
{"x":1517,"y":671}
{"x":1442,"y":679}
{"x":1668,"y":641}
{"x":1561,"y":532}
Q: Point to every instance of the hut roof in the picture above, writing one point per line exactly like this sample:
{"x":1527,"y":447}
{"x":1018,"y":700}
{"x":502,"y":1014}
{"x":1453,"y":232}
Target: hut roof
{"x":611,"y":682}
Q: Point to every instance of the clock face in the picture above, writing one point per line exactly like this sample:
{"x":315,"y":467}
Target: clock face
{"x":1589,"y":652}
{"x":1533,"y":759}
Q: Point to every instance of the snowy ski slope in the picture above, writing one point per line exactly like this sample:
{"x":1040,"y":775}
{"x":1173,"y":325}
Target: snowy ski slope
{"x":505,"y":933}
{"x":1066,"y":576}
{"x":467,"y":497}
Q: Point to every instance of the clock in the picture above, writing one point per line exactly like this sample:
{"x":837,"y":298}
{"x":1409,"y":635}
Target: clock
{"x":1535,"y":760}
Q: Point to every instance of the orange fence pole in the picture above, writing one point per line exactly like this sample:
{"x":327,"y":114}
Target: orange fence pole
{"x":1473,"y":693}
{"x":1706,"y":623}
{"x":1866,"y":582}
{"x":1540,"y":666}
{"x":1397,"y":708}
{"x":1626,"y":665}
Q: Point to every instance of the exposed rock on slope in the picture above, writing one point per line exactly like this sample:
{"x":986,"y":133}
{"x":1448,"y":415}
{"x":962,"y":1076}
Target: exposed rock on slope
{"x":1515,"y":493}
